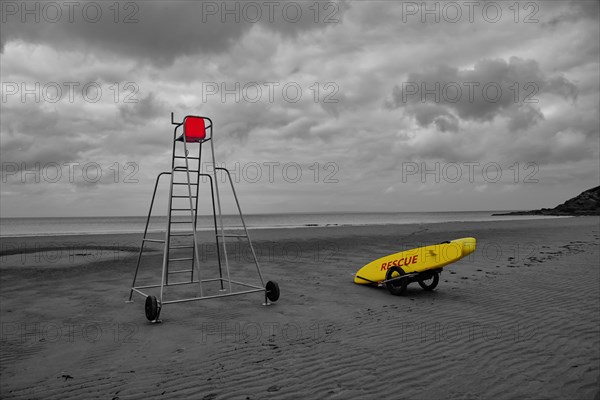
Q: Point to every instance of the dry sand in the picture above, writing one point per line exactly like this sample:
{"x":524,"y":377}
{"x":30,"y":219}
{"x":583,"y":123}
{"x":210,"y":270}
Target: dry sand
{"x":519,"y":319}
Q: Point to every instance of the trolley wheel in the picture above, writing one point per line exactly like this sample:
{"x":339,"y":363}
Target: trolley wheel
{"x":396,"y":286}
{"x":152,"y":308}
{"x":272,"y":289}
{"x":431,"y":282}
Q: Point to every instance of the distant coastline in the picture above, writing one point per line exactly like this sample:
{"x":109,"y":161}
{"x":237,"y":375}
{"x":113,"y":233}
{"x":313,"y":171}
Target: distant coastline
{"x":587,"y":203}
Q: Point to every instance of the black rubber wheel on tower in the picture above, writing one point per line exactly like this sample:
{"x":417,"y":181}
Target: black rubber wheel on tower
{"x":431,"y":282}
{"x":151,"y":308}
{"x":272,"y":289}
{"x":396,"y":286}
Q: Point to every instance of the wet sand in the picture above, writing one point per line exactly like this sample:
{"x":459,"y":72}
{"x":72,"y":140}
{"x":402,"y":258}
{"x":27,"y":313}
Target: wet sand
{"x":519,"y":318}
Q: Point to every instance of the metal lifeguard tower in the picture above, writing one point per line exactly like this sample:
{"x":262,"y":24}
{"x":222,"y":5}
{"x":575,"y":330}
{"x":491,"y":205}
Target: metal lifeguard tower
{"x":184,"y":190}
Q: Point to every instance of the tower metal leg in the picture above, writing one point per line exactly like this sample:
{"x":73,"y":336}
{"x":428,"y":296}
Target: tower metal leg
{"x":212,"y":148}
{"x":145,"y":233}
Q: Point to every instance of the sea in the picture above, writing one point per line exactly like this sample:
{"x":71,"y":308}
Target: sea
{"x":10,"y":227}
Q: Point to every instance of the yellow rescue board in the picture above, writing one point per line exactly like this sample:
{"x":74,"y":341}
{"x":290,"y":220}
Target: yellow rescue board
{"x":416,"y":260}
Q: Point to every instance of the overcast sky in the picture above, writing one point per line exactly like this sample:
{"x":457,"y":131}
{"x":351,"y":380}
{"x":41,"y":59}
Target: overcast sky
{"x":329,"y":106}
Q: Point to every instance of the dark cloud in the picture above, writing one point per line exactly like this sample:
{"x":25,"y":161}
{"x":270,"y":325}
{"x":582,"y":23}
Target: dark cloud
{"x":158,"y":32}
{"x":144,"y":110}
{"x":447,"y":123}
{"x":524,"y":117}
{"x":37,"y":138}
{"x":491,"y":88}
{"x":573,"y":11}
{"x":562,"y":86}
{"x":426,"y":113}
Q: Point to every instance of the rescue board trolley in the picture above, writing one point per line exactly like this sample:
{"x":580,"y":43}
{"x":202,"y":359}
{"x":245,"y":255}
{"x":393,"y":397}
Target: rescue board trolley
{"x":422,"y":265}
{"x":184,"y":190}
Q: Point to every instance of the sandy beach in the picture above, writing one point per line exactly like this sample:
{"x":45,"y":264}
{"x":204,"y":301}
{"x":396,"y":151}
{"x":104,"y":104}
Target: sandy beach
{"x":518,"y":319}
